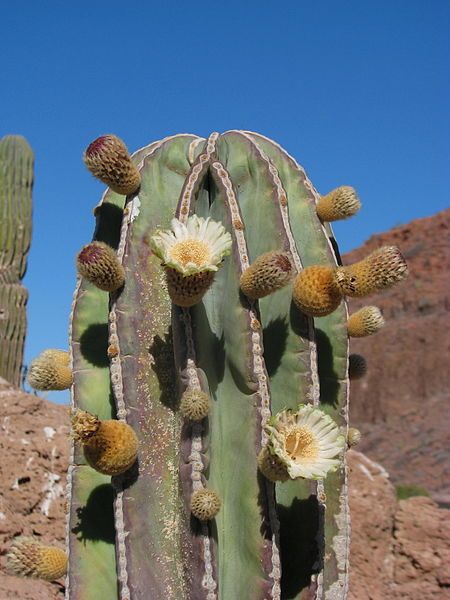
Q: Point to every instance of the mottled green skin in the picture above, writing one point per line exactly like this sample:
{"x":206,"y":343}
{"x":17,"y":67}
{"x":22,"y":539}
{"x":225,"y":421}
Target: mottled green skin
{"x":242,"y":354}
{"x":16,"y":182}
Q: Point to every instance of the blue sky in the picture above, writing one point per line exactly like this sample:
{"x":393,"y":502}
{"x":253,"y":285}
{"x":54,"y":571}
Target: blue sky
{"x":357,"y":91}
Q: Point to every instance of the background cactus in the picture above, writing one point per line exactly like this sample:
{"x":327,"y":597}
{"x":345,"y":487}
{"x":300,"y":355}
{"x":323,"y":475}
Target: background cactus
{"x":16,"y":181}
{"x":134,"y":354}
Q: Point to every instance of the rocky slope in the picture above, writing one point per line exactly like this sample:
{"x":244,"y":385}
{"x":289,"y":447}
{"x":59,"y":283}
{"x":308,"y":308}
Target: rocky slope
{"x":401,"y":405}
{"x":34,"y":448}
{"x":399,"y":550}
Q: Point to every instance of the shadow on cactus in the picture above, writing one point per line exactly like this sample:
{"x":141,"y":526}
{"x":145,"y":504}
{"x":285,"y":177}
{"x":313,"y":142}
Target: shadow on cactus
{"x":228,"y":351}
{"x":96,"y":518}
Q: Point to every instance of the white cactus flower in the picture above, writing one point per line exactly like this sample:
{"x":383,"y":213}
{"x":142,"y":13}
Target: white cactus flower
{"x":308,"y":442}
{"x":194,"y":247}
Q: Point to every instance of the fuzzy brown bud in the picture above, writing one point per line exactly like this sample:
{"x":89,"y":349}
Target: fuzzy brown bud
{"x":366,"y":321}
{"x":381,"y":269}
{"x":268,"y":273}
{"x":98,"y":263}
{"x":108,"y":159}
{"x":28,"y":557}
{"x":315,"y":291}
{"x":338,"y":204}
{"x":47,"y":373}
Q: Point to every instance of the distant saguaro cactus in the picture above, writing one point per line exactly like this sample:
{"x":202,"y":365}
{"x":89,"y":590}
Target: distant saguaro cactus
{"x":16,"y":182}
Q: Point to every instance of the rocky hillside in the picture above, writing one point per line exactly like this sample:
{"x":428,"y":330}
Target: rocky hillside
{"x":399,"y":549}
{"x":401,"y":406}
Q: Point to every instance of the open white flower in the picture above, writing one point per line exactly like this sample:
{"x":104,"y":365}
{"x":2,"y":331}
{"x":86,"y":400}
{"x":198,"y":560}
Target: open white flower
{"x":194,"y":247}
{"x":307,"y":442}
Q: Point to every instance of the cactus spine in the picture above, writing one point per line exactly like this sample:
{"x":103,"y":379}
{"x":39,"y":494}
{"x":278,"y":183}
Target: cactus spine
{"x":232,"y":399}
{"x":16,"y":181}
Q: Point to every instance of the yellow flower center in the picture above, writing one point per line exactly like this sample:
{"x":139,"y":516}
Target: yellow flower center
{"x":191,"y":251}
{"x":301,"y":444}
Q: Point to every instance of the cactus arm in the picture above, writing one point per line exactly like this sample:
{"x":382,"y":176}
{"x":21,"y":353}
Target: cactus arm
{"x":152,"y":536}
{"x":16,"y":182}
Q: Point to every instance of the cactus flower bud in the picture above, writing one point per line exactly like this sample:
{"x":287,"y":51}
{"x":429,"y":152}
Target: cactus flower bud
{"x":381,"y":269}
{"x":338,"y":204}
{"x":50,"y":371}
{"x":366,"y":321}
{"x":108,"y":159}
{"x":98,"y":263}
{"x":268,"y":273}
{"x":205,"y":504}
{"x":353,"y":437}
{"x":315,"y":291}
{"x":28,"y":557}
{"x":110,"y":446}
{"x":194,"y":405}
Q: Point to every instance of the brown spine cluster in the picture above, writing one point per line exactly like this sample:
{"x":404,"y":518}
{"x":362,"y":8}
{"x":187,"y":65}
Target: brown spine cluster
{"x":268,"y":273}
{"x":110,"y":446}
{"x":28,"y":557}
{"x":341,"y":203}
{"x":98,"y":263}
{"x":380,"y":270}
{"x":108,"y":159}
{"x":50,"y":371}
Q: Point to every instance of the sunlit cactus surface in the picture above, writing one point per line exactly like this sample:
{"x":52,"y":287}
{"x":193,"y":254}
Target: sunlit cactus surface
{"x":210,"y":369}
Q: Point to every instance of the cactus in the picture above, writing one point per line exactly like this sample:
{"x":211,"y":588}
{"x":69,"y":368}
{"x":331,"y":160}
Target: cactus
{"x":16,"y":181}
{"x":238,"y":399}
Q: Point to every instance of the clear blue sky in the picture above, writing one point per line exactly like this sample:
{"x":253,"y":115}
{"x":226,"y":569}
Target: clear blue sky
{"x":358,"y":91}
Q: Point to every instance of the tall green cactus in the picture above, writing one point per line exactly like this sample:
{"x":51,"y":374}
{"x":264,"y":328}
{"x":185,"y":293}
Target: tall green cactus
{"x":263,"y":363}
{"x":16,"y":181}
